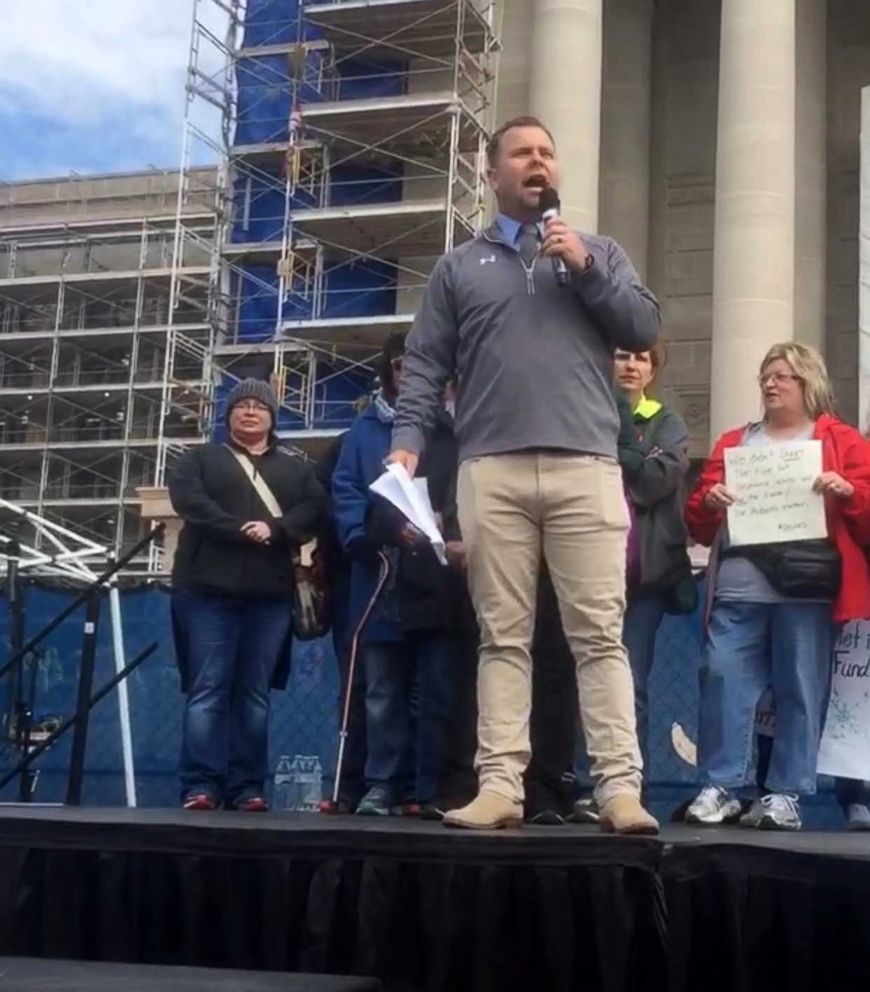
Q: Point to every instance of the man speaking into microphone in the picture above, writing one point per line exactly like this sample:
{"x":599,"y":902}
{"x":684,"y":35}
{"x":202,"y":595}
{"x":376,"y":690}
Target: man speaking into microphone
{"x":526,"y":317}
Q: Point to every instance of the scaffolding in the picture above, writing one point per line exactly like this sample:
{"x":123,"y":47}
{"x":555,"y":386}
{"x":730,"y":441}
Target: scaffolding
{"x":86,"y":268}
{"x":352,"y":138}
{"x":349,"y":138}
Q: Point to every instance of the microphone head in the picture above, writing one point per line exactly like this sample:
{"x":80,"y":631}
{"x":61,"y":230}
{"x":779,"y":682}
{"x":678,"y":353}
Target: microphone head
{"x":549,"y":200}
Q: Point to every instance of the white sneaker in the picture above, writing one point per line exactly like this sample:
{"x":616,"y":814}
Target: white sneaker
{"x":713,"y":805}
{"x":778,"y":811}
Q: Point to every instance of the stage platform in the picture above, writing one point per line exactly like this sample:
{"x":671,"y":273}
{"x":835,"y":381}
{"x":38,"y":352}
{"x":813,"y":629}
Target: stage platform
{"x":42,"y":975}
{"x":421,"y":907}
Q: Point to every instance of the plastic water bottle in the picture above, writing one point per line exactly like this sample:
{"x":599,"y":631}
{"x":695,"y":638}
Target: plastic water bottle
{"x":310,"y":782}
{"x":283,"y":784}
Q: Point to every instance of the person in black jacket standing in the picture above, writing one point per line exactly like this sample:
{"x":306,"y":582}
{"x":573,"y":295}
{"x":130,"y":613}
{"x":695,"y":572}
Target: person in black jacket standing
{"x":338,"y":571}
{"x":407,"y":643}
{"x":232,"y":588}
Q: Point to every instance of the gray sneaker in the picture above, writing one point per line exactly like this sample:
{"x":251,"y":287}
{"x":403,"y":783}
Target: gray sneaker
{"x":858,"y":816}
{"x":778,"y":811}
{"x":712,"y":806}
{"x":376,"y":802}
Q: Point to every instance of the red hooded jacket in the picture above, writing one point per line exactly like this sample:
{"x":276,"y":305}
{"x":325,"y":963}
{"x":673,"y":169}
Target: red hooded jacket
{"x":844,"y":451}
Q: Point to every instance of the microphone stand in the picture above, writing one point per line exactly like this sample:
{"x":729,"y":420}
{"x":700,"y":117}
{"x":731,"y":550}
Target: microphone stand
{"x":90,"y":596}
{"x":100,"y":581}
{"x":19,"y":713}
{"x":90,"y":703}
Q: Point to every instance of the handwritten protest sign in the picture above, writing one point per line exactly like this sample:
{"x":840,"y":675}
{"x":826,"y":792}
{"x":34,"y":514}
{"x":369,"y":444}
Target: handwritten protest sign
{"x":775,"y":498}
{"x":845,"y":746}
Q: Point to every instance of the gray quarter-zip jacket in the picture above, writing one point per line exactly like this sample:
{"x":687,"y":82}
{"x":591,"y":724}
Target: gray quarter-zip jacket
{"x":534,"y":360}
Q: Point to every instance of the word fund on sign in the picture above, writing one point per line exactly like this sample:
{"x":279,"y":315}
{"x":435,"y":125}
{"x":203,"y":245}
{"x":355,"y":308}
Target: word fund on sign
{"x":774,"y":489}
{"x":845,"y":749}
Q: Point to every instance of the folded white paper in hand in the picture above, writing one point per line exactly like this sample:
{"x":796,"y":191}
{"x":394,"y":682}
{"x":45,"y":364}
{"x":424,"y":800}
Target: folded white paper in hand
{"x":411,"y":498}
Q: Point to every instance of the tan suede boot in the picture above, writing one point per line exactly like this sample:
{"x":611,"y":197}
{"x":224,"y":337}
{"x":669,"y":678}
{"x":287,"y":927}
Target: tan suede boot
{"x":489,"y":811}
{"x":623,"y":814}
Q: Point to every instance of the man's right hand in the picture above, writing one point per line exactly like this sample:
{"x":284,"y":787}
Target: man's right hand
{"x":407,"y":459}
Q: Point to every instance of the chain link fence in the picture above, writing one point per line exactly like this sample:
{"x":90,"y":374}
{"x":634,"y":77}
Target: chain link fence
{"x":304,"y":717}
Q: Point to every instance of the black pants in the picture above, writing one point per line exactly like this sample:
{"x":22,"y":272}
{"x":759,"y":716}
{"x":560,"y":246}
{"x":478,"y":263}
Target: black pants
{"x":458,"y":780}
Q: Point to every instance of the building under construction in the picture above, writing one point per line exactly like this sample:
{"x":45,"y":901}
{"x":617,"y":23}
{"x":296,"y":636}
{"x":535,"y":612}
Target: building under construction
{"x":344,"y":141}
{"x":348,"y":139}
{"x":86,"y":277}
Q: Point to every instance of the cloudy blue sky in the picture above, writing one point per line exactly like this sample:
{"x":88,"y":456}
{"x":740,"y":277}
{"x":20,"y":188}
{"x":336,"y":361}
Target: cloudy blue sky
{"x":91,"y":85}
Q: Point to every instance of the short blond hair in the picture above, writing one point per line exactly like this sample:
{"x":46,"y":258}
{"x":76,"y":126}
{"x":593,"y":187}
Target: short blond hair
{"x":810,"y":366}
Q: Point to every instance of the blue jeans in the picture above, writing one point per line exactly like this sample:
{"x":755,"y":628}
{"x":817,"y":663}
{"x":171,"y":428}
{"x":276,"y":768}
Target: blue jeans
{"x":643,"y":617}
{"x":409,"y":690}
{"x":751,"y":646}
{"x":233,"y":647}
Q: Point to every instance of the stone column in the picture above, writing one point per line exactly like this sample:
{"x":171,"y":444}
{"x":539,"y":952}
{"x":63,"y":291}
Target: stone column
{"x":565,"y":92}
{"x":516,"y":26}
{"x":811,"y":163}
{"x":626,"y":109}
{"x":753,"y":263}
{"x":155,"y":507}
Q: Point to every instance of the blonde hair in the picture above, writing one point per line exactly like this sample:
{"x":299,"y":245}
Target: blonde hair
{"x":809,"y":365}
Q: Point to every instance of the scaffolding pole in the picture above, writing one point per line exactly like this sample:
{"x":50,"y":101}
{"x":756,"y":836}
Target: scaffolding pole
{"x":123,"y":696}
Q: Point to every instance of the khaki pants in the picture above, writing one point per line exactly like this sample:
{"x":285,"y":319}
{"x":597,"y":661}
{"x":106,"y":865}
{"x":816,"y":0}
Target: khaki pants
{"x":571,"y":509}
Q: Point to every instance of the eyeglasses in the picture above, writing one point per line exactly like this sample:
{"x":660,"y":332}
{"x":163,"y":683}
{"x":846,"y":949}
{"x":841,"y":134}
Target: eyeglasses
{"x":251,"y":406}
{"x":778,"y":378}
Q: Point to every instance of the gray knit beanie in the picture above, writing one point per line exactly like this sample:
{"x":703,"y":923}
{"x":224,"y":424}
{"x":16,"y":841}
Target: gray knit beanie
{"x":254,"y":389}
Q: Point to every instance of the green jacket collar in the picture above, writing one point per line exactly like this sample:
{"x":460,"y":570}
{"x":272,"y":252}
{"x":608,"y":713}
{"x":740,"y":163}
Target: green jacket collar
{"x":647,"y":408}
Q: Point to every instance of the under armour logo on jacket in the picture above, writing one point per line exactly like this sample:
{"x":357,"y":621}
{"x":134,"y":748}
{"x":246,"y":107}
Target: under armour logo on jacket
{"x":491,"y":258}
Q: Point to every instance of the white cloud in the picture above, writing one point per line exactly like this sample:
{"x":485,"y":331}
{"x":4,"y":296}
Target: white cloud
{"x":99,"y":85}
{"x":80,"y":60}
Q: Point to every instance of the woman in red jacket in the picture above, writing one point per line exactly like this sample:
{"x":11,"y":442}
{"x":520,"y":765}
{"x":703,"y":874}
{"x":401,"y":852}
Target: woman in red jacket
{"x":761,"y":632}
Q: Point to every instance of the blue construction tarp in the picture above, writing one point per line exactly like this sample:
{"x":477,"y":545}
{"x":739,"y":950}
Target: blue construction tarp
{"x":268,"y":85}
{"x":364,"y":287}
{"x":336,"y":392}
{"x":353,"y":182}
{"x":260,"y":204}
{"x":256,"y":287}
{"x":361,"y":79}
{"x":267,"y":88}
{"x":275,"y":22}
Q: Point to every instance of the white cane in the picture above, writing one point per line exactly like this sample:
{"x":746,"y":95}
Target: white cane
{"x":383,"y":575}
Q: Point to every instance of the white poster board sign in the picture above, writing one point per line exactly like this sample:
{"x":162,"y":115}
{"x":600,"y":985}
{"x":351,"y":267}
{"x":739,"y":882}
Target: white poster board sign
{"x":845,"y":749}
{"x":774,"y":488}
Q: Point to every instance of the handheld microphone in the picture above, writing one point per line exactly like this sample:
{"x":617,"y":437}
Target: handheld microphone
{"x":549,"y":204}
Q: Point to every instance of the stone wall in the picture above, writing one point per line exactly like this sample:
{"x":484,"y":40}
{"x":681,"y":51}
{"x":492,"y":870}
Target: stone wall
{"x":683,"y":158}
{"x":848,"y":72}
